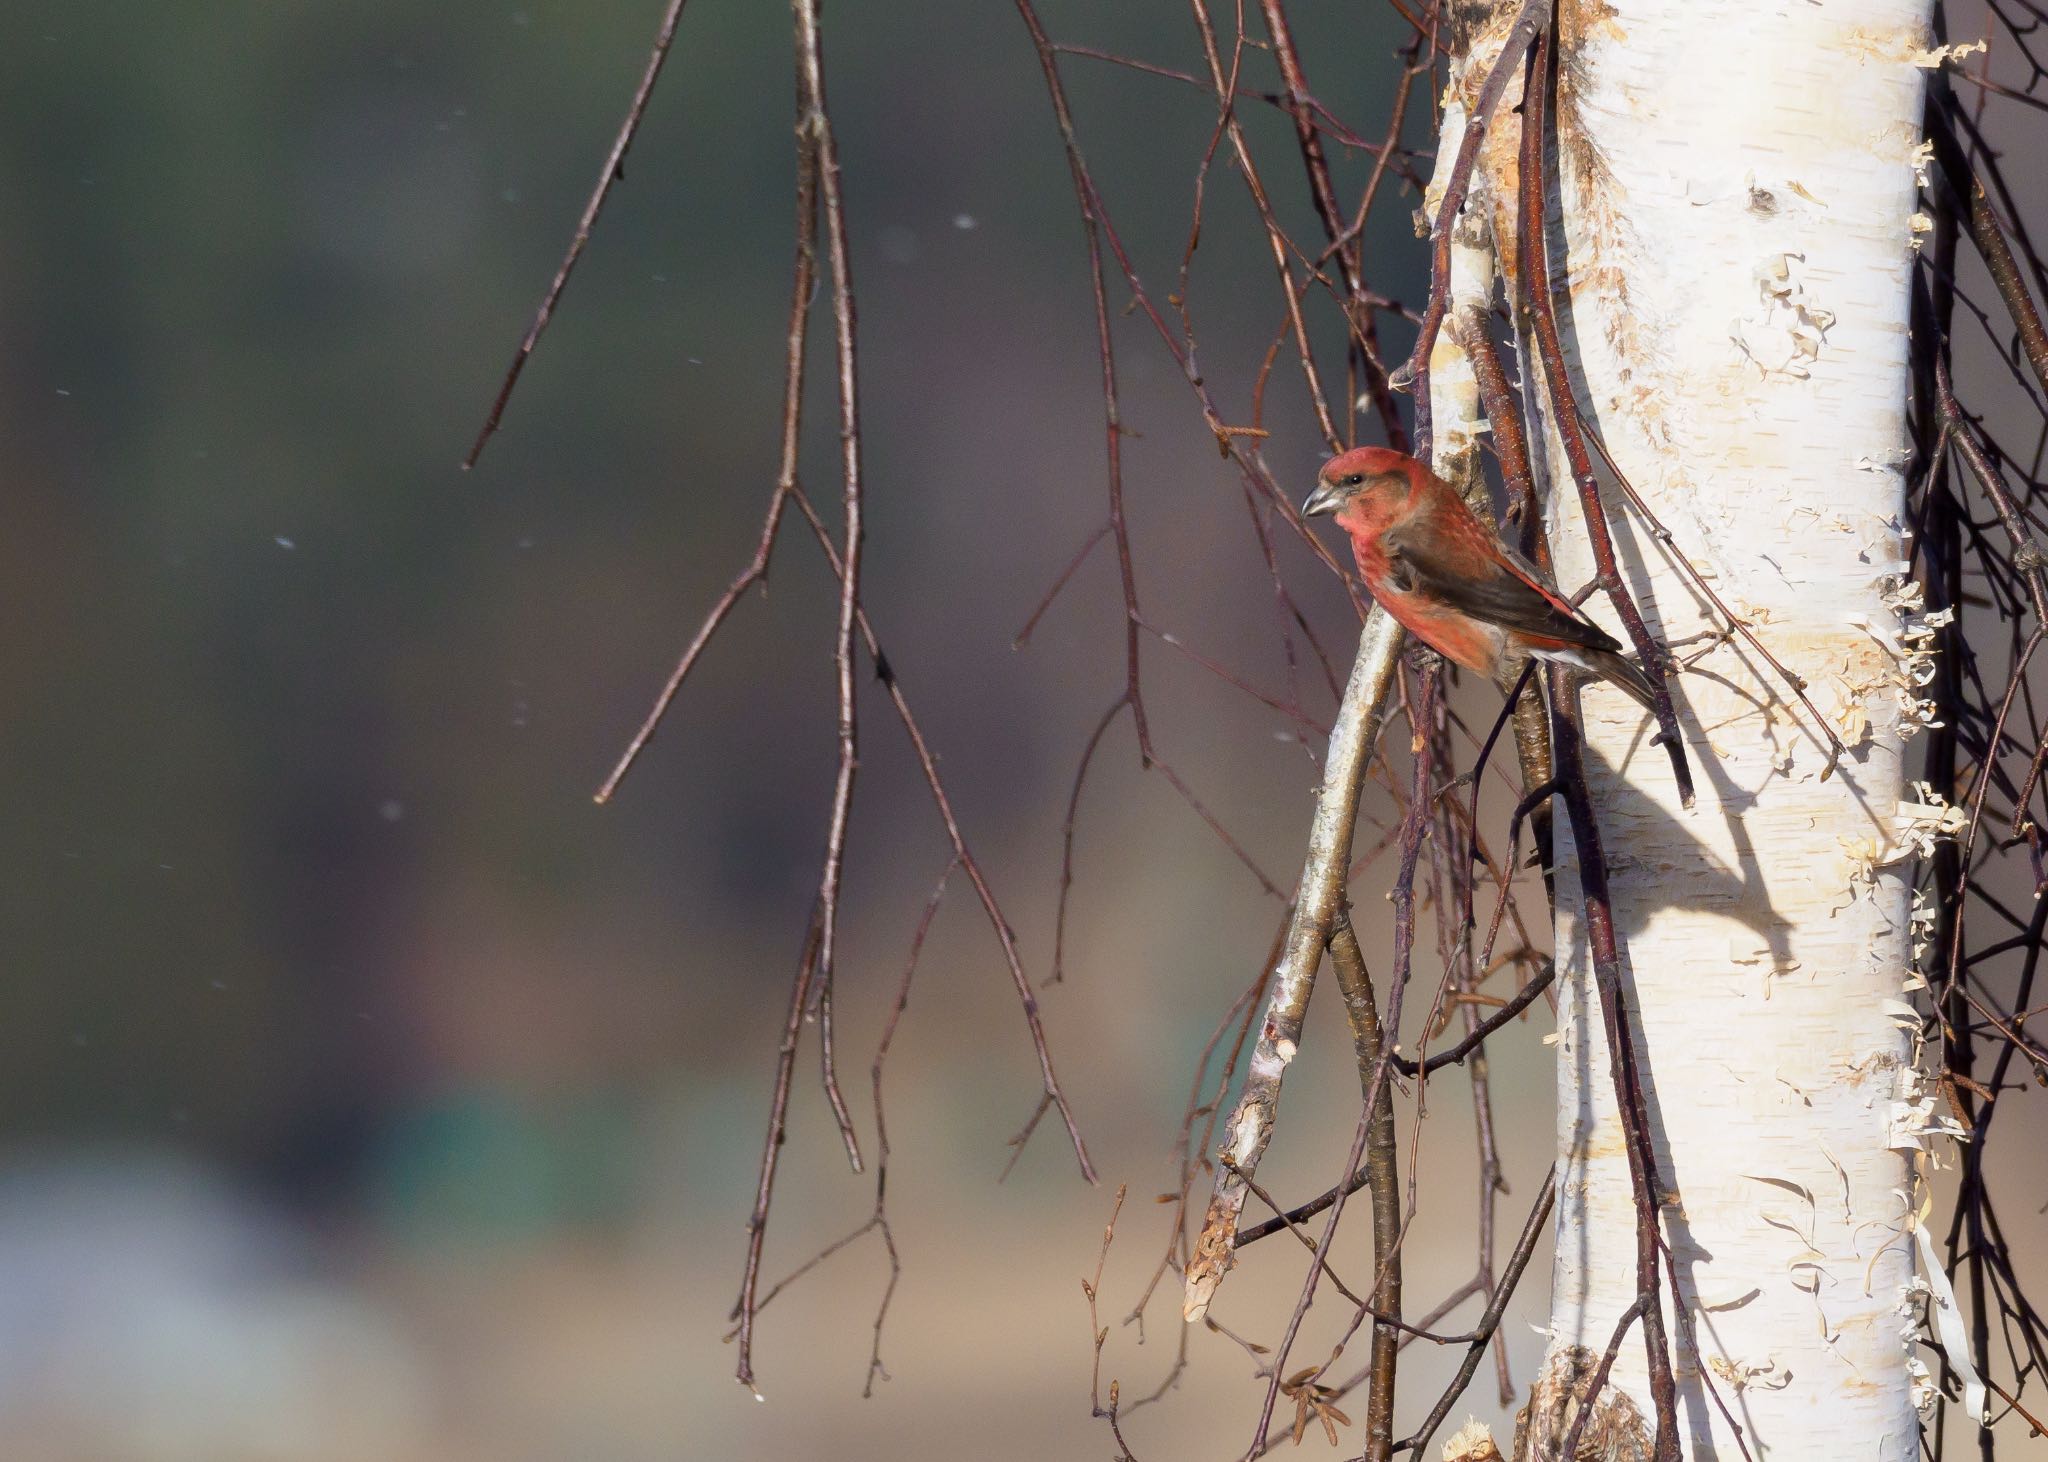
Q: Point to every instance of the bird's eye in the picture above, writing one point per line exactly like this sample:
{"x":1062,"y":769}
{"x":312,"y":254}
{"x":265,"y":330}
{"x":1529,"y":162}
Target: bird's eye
{"x":1356,"y":479}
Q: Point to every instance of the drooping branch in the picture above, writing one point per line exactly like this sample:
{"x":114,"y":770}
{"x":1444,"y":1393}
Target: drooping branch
{"x":1231,"y":442}
{"x":1343,"y":243}
{"x":1370,"y":1046}
{"x":1603,"y":948}
{"x":1053,"y":1094}
{"x":1276,"y":238}
{"x":816,"y":122}
{"x":804,"y":275}
{"x":748,"y":1306}
{"x":821,"y":188}
{"x":1533,"y":1231}
{"x":613,"y":172}
{"x":1532,"y":245}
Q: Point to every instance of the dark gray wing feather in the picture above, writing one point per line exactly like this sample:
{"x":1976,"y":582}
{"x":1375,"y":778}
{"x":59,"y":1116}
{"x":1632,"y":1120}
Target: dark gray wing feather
{"x":1497,"y":598}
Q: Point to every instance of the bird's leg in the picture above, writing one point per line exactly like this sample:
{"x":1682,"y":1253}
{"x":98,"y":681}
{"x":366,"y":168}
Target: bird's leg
{"x":1419,"y":656}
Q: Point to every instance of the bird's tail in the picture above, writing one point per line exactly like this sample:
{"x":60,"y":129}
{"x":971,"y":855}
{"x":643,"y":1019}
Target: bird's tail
{"x":1612,"y":668}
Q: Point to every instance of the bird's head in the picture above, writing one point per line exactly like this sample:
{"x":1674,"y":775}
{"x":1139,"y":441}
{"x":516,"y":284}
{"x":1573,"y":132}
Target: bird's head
{"x":1376,"y":478}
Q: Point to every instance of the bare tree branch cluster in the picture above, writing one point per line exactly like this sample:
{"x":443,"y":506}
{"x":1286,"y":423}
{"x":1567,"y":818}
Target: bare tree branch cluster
{"x":1975,"y":556}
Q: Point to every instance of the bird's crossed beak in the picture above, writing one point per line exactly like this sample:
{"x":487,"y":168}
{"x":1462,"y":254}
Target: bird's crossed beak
{"x":1327,"y":498}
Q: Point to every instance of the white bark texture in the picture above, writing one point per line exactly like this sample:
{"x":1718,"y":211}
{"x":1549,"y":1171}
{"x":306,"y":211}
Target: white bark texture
{"x":1737,"y":187}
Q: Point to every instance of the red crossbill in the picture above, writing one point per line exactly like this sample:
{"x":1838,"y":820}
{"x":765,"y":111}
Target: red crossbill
{"x":1434,"y":565}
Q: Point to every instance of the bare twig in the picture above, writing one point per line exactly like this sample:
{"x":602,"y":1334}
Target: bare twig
{"x":1370,"y":1047}
{"x":1597,"y":911}
{"x":1322,"y":190}
{"x":1092,"y":1288}
{"x":1597,"y":1382}
{"x":1473,"y":1040}
{"x":614,"y":171}
{"x":1489,"y":1324}
{"x":929,"y":767}
{"x":815,"y":122}
{"x":771,"y":1153}
{"x":1276,"y":239}
{"x":1531,"y":249}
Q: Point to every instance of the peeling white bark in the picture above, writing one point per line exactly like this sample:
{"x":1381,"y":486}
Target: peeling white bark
{"x":1737,"y":186}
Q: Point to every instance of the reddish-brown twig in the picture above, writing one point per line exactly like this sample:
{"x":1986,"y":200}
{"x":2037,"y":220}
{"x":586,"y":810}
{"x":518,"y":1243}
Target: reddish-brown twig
{"x":1511,"y":1276}
{"x":1531,"y":249}
{"x":1099,"y":1333}
{"x":771,"y":1153}
{"x":815,"y":123}
{"x":1602,"y":947}
{"x":1323,"y":192}
{"x":1324,"y":121}
{"x":878,"y":1218}
{"x":614,"y":171}
{"x":1023,"y":636}
{"x":1059,"y":920}
{"x":1371,"y":1046}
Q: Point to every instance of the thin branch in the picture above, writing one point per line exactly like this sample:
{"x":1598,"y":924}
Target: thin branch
{"x":815,"y":122}
{"x":1532,"y":243}
{"x":1370,"y":1046}
{"x":1276,"y":239}
{"x":614,"y":172}
{"x":1639,"y":1310}
{"x":1454,"y":1055}
{"x":929,"y":766}
{"x":1318,"y":898}
{"x":771,"y":1153}
{"x":1598,"y":913}
{"x":1322,"y":190}
{"x":1023,"y":636}
{"x":1059,"y":922}
{"x":1489,"y":1323}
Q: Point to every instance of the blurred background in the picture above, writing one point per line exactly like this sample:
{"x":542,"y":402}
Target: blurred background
{"x":365,"y":1090}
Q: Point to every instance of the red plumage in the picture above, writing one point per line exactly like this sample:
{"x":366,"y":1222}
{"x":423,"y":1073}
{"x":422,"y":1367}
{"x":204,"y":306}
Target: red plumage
{"x":1445,"y":575}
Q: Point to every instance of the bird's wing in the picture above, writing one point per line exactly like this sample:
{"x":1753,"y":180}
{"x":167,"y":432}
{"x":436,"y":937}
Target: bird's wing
{"x":1461,"y":565}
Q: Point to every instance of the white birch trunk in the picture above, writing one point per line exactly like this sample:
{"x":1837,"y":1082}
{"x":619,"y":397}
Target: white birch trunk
{"x":1737,"y":180}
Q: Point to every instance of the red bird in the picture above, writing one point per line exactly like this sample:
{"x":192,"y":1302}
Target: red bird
{"x":1448,"y":578}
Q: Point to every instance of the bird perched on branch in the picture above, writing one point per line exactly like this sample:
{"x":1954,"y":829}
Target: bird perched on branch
{"x":1446,"y":576}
